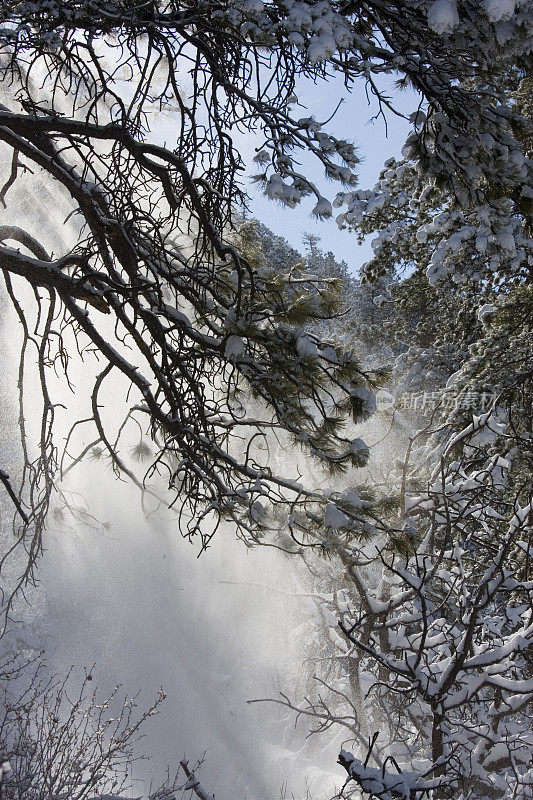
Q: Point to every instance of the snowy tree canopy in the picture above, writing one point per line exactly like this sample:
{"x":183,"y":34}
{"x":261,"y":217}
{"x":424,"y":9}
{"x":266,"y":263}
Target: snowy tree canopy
{"x":149,"y":282}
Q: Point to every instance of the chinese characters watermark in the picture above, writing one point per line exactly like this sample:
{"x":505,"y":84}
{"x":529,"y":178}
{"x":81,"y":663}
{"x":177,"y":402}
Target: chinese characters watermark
{"x":427,"y":402}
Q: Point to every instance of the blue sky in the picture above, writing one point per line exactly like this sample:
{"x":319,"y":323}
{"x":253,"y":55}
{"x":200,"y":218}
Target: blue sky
{"x":376,"y":144}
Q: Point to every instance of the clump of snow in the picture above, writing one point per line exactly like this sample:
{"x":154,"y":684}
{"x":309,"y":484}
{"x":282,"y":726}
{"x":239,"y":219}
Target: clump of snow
{"x":385,"y":785}
{"x":358,"y":446}
{"x":323,"y":209}
{"x":352,"y":499}
{"x":485,"y":313}
{"x":443,"y":16}
{"x":305,"y":347}
{"x":417,"y":117}
{"x":254,"y":6}
{"x":257,"y":511}
{"x":481,"y":243}
{"x":368,"y":404}
{"x":497,"y":10}
{"x":5,"y":769}
{"x":234,"y":347}
{"x":262,"y":157}
{"x":335,"y":518}
{"x":277,"y":189}
{"x":296,"y":38}
{"x":310,"y":124}
{"x":320,"y":48}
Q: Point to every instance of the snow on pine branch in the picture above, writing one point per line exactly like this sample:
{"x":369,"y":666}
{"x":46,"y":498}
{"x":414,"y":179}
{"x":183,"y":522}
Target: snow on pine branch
{"x":385,"y":785}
